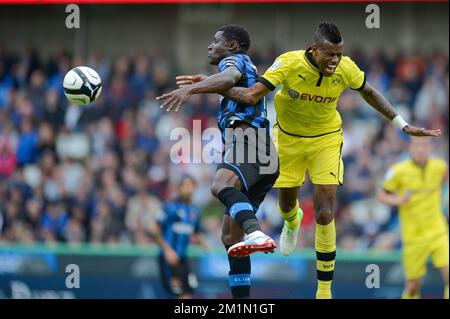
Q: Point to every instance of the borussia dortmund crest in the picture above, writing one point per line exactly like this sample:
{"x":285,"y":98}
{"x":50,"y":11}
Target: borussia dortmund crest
{"x":336,"y":80}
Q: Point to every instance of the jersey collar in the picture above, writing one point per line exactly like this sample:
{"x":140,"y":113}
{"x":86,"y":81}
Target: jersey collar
{"x":311,"y":63}
{"x":418,"y":166}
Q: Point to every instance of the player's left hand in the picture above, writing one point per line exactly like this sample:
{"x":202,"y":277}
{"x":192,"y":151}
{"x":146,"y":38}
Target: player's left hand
{"x":415,"y":131}
{"x":183,"y":80}
{"x":175,"y":98}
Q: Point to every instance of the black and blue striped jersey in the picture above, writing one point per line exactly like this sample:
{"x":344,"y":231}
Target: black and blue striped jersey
{"x":180,"y":222}
{"x":229,"y":111}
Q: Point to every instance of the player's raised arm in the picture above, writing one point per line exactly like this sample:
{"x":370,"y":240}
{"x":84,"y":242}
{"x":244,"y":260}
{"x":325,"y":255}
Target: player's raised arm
{"x":382,"y":105}
{"x":213,"y":84}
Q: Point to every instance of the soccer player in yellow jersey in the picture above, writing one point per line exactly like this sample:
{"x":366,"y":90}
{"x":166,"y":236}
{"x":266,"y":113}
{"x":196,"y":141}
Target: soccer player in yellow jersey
{"x":415,"y":186}
{"x":309,"y":135}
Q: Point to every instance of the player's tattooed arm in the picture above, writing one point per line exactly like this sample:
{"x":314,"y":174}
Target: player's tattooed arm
{"x":382,"y":105}
{"x":377,"y":101}
{"x":250,"y":95}
{"x":213,"y":84}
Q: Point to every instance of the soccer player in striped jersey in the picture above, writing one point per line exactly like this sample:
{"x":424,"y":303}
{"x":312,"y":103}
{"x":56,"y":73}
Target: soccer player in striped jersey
{"x":250,"y":161}
{"x":175,"y":230}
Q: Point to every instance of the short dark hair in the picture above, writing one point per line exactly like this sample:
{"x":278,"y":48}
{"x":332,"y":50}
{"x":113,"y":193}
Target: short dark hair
{"x":186,"y":177}
{"x":327,"y":31}
{"x":233,"y":32}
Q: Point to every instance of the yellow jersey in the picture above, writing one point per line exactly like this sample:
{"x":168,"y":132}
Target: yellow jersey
{"x":421,"y":218}
{"x":306,"y":103}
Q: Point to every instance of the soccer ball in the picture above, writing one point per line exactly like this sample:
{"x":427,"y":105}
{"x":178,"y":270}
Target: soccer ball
{"x":82,"y":85}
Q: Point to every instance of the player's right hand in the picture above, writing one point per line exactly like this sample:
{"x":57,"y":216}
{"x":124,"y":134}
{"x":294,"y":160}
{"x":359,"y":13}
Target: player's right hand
{"x":171,"y":257}
{"x":174,"y":99}
{"x":183,"y":80}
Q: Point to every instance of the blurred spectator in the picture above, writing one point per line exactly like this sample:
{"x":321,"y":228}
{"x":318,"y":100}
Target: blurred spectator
{"x":8,"y":160}
{"x":27,"y":148}
{"x":53,"y":221}
{"x":143,"y":212}
{"x":99,"y":173}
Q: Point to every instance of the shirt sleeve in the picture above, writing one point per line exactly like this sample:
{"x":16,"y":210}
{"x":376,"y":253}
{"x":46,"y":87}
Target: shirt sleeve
{"x":232,"y":60}
{"x":354,"y":77}
{"x":277,"y":72}
{"x":391,"y":181}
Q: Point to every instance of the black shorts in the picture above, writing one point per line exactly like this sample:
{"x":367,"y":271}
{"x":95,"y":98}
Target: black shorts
{"x":252,"y":155}
{"x":183,"y":278}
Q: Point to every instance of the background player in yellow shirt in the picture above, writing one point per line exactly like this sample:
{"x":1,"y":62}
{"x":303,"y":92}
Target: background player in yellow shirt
{"x":309,"y":135}
{"x":415,"y":185}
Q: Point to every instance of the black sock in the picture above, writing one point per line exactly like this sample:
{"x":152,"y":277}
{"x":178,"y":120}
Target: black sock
{"x":240,"y":209}
{"x":239,"y":276}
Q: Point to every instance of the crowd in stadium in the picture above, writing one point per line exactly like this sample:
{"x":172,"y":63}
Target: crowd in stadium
{"x":101,"y":173}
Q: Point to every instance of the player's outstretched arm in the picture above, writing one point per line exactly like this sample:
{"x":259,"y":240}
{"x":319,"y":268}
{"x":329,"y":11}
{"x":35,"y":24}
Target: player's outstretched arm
{"x":382,"y":105}
{"x":250,"y":95}
{"x":392,"y":199}
{"x":184,"y":80}
{"x":213,"y":84}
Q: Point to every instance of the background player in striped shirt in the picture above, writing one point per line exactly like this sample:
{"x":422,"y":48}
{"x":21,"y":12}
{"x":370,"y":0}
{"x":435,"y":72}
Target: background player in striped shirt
{"x":179,"y":226}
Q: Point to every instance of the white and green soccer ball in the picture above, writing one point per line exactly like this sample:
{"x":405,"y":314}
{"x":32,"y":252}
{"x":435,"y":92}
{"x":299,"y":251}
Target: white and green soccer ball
{"x":82,"y":85}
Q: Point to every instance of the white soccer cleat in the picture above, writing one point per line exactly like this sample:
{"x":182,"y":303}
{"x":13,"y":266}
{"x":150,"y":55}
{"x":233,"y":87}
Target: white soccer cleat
{"x":288,"y":238}
{"x":254,"y":242}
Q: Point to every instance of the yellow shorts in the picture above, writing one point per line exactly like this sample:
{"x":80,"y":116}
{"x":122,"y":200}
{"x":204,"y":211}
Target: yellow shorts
{"x":415,"y":256}
{"x":321,"y":156}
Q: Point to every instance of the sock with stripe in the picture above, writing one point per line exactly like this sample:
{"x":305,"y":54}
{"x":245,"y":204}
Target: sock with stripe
{"x":239,"y":276}
{"x":292,"y":217}
{"x":325,"y":243}
{"x":240,"y":209}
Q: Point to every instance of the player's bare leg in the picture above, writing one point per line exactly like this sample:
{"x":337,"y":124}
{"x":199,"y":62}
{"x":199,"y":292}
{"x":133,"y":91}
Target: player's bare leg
{"x":444,"y":272}
{"x":226,"y":187}
{"x":325,"y":240}
{"x":232,"y":233}
{"x":412,"y":289}
{"x":292,"y":214}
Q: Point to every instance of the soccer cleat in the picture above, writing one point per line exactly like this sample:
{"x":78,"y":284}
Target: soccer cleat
{"x":254,"y":242}
{"x":288,"y":238}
